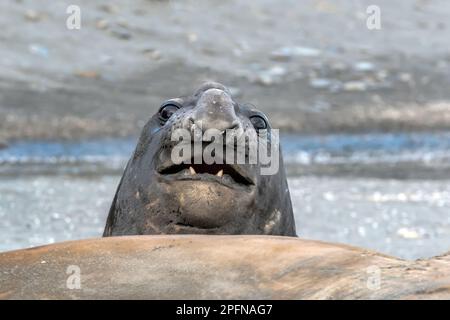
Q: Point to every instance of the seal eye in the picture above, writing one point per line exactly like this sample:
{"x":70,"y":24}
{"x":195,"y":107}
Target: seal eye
{"x":258,"y":122}
{"x":167,"y":110}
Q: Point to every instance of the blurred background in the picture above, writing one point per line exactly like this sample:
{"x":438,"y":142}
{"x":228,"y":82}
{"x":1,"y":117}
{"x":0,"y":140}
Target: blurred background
{"x":364,"y":114}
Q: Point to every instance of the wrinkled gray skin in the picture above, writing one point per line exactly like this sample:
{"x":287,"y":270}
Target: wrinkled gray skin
{"x":150,"y":201}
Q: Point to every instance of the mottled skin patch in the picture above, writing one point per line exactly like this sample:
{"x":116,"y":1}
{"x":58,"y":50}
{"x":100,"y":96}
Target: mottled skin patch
{"x":217,"y":267}
{"x":148,"y":202}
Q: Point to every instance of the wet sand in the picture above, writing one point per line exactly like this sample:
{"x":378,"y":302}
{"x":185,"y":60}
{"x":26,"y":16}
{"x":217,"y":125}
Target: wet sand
{"x":311,"y":66}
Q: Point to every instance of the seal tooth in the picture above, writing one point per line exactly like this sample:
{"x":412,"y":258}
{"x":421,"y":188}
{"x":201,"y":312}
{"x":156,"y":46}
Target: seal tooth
{"x":220,"y":173}
{"x":192,"y":170}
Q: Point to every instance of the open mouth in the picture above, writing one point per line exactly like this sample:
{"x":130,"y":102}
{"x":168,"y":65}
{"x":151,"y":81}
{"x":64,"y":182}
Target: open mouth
{"x":222,"y":173}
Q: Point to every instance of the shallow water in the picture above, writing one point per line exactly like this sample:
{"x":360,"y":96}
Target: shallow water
{"x":51,"y":191}
{"x":405,"y":218}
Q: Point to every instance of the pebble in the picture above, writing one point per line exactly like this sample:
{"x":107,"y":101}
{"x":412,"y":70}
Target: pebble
{"x":88,"y":74}
{"x":102,"y":24}
{"x":329,"y":196}
{"x":120,"y":32}
{"x":405,"y":77}
{"x":286,"y":53}
{"x":211,"y":52}
{"x":306,"y":52}
{"x":33,"y":16}
{"x":408,"y":233}
{"x":109,"y":8}
{"x":364,"y":66}
{"x":264,"y":79}
{"x":191,"y":37}
{"x":122,"y":23}
{"x":152,"y":54}
{"x":320,"y":83}
{"x":282,"y":54}
{"x":338,"y":66}
{"x":382,"y":74}
{"x":270,"y":76}
{"x":355,"y":86}
{"x":39,"y":50}
{"x":277,"y":71}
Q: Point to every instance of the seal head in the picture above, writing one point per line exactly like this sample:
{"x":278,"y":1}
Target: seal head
{"x":158,"y":195}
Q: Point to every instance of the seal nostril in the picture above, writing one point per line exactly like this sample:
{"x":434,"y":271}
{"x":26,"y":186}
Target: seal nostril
{"x":234,"y":124}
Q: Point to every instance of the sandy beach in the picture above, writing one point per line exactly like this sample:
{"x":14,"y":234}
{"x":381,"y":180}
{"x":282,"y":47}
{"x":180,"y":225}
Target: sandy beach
{"x":312,"y":66}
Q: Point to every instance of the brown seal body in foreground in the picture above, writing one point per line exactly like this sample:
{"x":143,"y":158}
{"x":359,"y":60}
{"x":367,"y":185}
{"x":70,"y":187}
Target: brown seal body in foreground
{"x":216,"y":267}
{"x":158,"y":196}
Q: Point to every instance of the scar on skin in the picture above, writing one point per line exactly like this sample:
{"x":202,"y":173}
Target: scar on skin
{"x":181,"y":198}
{"x":152,"y":226}
{"x":151,"y":204}
{"x":273,"y":220}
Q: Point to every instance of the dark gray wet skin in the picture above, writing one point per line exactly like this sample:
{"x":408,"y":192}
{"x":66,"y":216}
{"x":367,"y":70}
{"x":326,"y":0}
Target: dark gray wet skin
{"x":156,"y":196}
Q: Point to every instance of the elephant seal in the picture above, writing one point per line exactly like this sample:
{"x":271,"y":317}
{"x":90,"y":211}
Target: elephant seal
{"x":216,"y":267}
{"x":157,"y":195}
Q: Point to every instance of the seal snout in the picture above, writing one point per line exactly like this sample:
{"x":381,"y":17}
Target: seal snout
{"x":215,"y":109}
